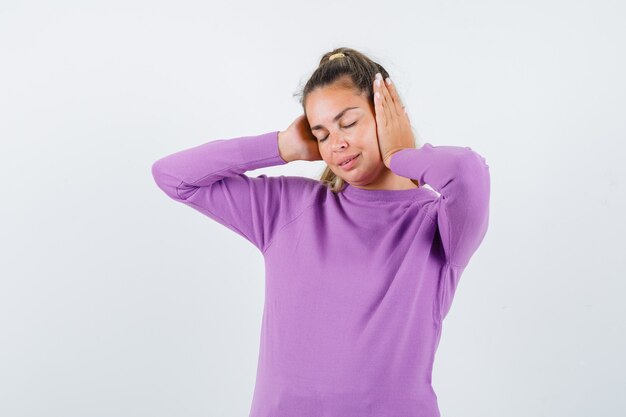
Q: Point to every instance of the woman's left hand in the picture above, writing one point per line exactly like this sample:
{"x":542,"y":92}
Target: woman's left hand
{"x":392,"y":121}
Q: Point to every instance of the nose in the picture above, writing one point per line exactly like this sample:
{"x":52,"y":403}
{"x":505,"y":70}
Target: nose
{"x":337,"y":141}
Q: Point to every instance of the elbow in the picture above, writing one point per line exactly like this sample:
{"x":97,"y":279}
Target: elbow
{"x":474,"y":166}
{"x":475,"y":175}
{"x":167,"y":182}
{"x":473,"y":157}
{"x":158,"y":174}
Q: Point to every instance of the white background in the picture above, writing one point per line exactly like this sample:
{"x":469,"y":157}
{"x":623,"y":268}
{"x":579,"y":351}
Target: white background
{"x":117,"y":301}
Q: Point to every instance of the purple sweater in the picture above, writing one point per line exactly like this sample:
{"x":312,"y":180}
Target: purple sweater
{"x":357,"y":283}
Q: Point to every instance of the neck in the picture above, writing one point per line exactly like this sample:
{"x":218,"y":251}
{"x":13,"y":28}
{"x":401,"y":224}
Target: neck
{"x":388,"y":180}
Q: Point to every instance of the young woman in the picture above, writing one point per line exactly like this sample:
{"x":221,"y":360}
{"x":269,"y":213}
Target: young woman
{"x":361,"y":265}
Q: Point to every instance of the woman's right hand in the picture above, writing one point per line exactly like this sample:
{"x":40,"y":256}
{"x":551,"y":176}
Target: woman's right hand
{"x":298,"y":143}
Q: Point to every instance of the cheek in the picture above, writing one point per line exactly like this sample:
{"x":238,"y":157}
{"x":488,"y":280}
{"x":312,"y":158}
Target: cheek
{"x":324,"y":153}
{"x":368,"y":140}
{"x":368,"y":134}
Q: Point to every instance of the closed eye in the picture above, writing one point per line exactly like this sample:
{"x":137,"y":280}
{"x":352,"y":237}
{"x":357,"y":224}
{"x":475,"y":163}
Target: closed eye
{"x":350,"y":125}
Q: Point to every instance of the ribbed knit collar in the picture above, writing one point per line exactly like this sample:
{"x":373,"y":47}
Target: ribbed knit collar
{"x":384,"y":195}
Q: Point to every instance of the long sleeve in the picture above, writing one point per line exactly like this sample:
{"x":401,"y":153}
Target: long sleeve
{"x":462,"y":177}
{"x":211,"y":179}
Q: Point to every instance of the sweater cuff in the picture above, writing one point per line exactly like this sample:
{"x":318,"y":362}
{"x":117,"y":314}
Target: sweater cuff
{"x":262,"y":149}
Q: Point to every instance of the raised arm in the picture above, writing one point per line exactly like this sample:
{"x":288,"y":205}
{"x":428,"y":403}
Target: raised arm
{"x":211,"y":179}
{"x":461,"y":176}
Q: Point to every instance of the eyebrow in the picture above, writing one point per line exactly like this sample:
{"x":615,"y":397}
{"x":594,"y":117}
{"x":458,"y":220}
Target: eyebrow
{"x":317,"y":127}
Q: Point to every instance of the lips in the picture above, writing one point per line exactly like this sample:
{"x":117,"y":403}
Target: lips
{"x":348,"y":159}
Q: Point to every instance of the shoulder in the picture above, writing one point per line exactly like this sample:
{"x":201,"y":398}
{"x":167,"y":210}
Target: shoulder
{"x":293,"y":182}
{"x":295,"y":187}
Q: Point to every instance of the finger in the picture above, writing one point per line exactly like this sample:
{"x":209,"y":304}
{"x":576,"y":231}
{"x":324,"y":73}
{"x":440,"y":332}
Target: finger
{"x":385,"y":99}
{"x":381,"y":116}
{"x":399,"y":106}
{"x":397,"y":103}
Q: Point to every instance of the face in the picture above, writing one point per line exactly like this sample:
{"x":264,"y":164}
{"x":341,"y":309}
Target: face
{"x":344,"y":125}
